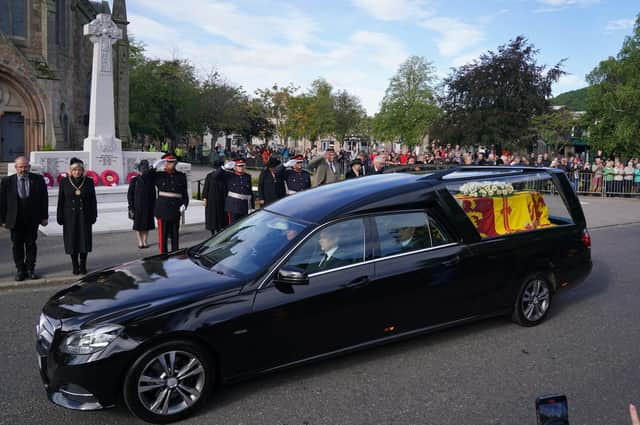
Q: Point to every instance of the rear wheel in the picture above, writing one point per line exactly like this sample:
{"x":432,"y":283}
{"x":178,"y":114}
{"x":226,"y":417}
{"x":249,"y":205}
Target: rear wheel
{"x":533,"y":301}
{"x":168,"y":382}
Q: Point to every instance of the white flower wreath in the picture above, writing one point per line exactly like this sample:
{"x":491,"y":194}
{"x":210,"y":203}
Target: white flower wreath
{"x":487,"y":189}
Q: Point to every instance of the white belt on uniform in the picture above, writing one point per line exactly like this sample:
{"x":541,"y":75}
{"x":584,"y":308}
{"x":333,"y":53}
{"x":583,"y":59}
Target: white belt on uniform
{"x":169,"y":194}
{"x":242,"y":197}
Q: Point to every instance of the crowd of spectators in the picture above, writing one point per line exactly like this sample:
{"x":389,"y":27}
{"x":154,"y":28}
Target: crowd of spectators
{"x":588,"y":173}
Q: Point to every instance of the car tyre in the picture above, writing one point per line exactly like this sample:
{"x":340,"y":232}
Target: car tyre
{"x":169,"y":381}
{"x":533,"y":301}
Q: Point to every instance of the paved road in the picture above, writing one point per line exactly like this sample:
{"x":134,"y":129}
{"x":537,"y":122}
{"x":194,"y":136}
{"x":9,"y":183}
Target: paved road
{"x":485,"y":373}
{"x":116,"y":248}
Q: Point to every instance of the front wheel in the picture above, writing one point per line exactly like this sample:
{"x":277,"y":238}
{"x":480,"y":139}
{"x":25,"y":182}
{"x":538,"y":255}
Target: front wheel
{"x":533,"y":301}
{"x":168,"y":382}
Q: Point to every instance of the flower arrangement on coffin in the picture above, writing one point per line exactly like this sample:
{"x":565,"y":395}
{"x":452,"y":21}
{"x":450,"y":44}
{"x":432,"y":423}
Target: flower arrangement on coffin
{"x":482,"y":189}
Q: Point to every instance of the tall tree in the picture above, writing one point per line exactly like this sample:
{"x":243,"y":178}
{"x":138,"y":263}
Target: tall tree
{"x":492,"y":100}
{"x":256,"y":123}
{"x":554,"y":128}
{"x":275,"y":101}
{"x":348,"y":114}
{"x":613,"y":103}
{"x":408,"y":108}
{"x":163,"y":97}
{"x":222,"y":106}
{"x":323,"y":118}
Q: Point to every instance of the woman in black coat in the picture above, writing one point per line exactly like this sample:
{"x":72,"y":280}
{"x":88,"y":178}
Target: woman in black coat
{"x":271,"y":183}
{"x":77,"y":212}
{"x":141,"y":197}
{"x":213,"y":196}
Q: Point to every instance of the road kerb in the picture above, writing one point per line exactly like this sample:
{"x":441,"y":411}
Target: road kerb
{"x":37,"y":283}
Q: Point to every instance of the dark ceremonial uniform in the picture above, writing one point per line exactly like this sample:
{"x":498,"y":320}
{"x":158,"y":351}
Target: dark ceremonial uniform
{"x":172,"y":193}
{"x":296,"y":181}
{"x":240,"y":197}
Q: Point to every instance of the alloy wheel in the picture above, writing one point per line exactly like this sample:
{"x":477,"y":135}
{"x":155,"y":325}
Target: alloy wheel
{"x":171,"y":382}
{"x":535,"y":300}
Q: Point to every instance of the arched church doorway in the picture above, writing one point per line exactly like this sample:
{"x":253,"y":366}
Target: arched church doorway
{"x":22,"y":117}
{"x":11,"y":136}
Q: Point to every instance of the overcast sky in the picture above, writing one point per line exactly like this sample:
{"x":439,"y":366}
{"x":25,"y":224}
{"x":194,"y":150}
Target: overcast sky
{"x":358,"y":45}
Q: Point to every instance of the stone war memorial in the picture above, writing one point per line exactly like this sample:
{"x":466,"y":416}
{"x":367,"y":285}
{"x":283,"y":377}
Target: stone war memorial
{"x":106,"y":163}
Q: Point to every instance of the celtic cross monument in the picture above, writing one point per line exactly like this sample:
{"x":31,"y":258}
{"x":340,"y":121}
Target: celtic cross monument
{"x":105,"y":150}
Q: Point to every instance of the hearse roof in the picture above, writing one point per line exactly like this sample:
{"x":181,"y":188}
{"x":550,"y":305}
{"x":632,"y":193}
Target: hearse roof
{"x":325,"y":202}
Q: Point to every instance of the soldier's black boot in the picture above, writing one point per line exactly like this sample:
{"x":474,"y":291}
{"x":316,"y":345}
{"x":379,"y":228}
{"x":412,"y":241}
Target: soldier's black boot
{"x":74,"y":264}
{"x":83,"y":263}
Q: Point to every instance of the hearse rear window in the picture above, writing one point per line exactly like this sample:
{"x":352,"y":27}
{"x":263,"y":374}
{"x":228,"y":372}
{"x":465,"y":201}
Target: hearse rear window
{"x":502,"y":205}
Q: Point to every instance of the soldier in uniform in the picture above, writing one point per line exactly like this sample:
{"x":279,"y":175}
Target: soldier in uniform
{"x":172,"y":200}
{"x":239,"y":201}
{"x":296,"y":178}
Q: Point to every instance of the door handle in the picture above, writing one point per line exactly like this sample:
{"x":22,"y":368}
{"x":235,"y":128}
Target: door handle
{"x":357,"y":282}
{"x":452,"y":262}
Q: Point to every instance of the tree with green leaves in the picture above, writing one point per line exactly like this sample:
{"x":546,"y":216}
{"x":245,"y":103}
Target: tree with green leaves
{"x":554,"y":128}
{"x":349,"y":112}
{"x":322,"y":116}
{"x":493,"y":99}
{"x":613,"y":102}
{"x":223,"y":107}
{"x":164,"y":96}
{"x":408,"y":108}
{"x":275,"y":100}
{"x":256,"y":122}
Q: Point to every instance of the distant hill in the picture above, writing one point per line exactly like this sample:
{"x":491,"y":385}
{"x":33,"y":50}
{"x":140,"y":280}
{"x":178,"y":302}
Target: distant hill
{"x":574,"y":100}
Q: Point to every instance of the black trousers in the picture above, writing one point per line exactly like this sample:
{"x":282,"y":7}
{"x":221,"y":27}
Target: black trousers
{"x":25,"y":250}
{"x":166,"y":230}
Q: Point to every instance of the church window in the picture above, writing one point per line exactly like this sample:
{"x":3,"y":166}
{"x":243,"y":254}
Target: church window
{"x":61,"y":23}
{"x":13,"y":18}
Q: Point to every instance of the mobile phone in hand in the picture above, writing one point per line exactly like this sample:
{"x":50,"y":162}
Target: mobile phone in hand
{"x":552,"y":410}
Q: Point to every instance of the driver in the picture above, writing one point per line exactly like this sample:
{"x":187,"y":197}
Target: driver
{"x":407,"y":239}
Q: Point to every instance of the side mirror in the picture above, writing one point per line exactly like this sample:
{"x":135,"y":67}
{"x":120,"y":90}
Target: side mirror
{"x":292,"y":276}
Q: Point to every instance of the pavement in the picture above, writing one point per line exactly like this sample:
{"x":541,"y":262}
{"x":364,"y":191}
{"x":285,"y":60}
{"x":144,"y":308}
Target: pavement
{"x":116,"y":247}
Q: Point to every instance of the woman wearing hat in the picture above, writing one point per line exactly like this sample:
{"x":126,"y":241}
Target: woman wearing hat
{"x":271,"y":183}
{"x":356,"y":169}
{"x":141,"y":197}
{"x":77,"y":212}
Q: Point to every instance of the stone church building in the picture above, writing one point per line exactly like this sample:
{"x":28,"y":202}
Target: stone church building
{"x":45,"y":74}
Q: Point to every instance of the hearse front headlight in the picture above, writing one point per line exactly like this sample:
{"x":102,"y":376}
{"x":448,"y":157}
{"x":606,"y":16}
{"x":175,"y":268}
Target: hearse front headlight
{"x":89,"y":341}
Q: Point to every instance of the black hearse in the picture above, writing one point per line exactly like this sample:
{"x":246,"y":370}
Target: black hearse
{"x":323,"y":272}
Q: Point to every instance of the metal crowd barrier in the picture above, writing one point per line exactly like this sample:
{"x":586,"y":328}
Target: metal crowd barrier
{"x":592,"y":185}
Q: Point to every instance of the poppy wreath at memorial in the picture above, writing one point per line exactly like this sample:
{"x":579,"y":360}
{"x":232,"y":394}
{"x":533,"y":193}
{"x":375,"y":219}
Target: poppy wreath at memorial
{"x":48,"y":179}
{"x":131,"y":175}
{"x":109,"y":178}
{"x":61,"y":176}
{"x":94,"y":177}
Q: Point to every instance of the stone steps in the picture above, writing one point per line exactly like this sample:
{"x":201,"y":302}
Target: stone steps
{"x":3,"y":168}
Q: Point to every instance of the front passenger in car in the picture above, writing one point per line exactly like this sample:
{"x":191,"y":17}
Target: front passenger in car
{"x":333,"y":255}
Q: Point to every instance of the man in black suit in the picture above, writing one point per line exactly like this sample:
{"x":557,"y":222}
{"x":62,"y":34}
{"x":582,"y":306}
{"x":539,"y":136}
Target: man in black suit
{"x":331,"y":253}
{"x":407,"y":239}
{"x":24,"y":205}
{"x":379,"y":163}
